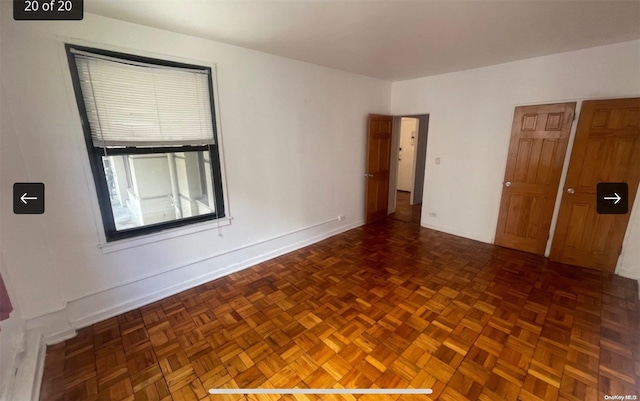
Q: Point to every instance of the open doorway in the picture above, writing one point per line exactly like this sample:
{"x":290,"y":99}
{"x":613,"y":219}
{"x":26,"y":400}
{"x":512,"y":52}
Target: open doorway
{"x":409,"y":151}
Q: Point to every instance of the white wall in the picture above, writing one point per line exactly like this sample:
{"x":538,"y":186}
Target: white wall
{"x":293,"y":138}
{"x":470,"y":122}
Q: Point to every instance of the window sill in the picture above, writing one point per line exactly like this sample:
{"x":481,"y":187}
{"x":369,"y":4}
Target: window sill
{"x":108,"y":247}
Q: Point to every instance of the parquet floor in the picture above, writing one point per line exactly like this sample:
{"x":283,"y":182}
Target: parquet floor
{"x":390,"y":305}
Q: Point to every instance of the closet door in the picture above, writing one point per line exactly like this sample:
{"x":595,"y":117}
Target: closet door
{"x":606,"y":150}
{"x":539,"y":137}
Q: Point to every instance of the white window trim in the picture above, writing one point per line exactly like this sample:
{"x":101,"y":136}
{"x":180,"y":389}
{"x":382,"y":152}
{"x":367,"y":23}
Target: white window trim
{"x":127,"y":243}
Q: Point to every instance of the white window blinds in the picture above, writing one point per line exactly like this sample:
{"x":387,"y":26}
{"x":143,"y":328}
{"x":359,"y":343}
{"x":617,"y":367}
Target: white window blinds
{"x":130,"y":103}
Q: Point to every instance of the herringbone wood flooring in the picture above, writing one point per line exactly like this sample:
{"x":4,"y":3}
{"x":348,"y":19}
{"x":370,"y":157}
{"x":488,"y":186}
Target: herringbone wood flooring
{"x":390,"y":305}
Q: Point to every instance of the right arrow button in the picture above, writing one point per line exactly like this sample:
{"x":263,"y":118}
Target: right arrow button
{"x":612,"y":198}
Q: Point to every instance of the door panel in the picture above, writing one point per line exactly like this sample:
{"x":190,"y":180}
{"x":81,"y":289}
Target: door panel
{"x":378,"y":162}
{"x":606,"y":149}
{"x":539,"y":137}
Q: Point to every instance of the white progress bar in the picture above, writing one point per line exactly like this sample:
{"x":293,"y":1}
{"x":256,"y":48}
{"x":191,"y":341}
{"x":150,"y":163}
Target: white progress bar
{"x":221,"y":391}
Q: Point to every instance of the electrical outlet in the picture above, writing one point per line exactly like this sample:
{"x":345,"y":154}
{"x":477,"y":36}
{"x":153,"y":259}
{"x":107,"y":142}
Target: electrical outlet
{"x":437,"y":160}
{"x":431,"y":214}
{"x":340,"y":217}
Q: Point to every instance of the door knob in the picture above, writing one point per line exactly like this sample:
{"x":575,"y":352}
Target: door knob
{"x":507,"y":184}
{"x":571,"y":190}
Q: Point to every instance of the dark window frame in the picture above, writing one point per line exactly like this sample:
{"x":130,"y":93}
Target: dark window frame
{"x":203,"y":177}
{"x":96,"y":153}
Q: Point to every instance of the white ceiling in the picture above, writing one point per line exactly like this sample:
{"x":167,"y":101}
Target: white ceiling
{"x":391,"y":40}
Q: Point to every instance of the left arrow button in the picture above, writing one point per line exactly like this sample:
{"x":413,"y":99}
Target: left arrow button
{"x":28,"y":198}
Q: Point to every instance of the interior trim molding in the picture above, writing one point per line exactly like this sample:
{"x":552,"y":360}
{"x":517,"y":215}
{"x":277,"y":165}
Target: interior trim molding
{"x":62,"y":324}
{"x":53,"y":326}
{"x":29,"y":368}
{"x":87,"y":319}
{"x":454,"y":232}
{"x":126,"y":243}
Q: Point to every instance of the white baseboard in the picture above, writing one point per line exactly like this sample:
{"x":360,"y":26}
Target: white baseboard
{"x":53,"y":326}
{"x":12,"y":350}
{"x":61,"y":325}
{"x":633,"y":275}
{"x":454,"y":232}
{"x":28,"y":369}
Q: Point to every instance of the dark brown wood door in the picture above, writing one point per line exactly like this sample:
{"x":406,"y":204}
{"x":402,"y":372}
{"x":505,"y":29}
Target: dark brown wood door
{"x":378,"y":162}
{"x":606,"y":149}
{"x":539,"y":137}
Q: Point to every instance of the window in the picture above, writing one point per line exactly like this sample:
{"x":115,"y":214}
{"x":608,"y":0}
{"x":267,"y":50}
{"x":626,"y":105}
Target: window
{"x":150,"y":131}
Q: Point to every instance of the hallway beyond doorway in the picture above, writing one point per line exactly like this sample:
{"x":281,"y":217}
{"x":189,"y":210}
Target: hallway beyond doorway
{"x":405,"y":211}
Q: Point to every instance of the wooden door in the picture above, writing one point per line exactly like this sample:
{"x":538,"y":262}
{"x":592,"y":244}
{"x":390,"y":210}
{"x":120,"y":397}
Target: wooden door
{"x":378,"y":162}
{"x":539,"y":137}
{"x":606,"y":149}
